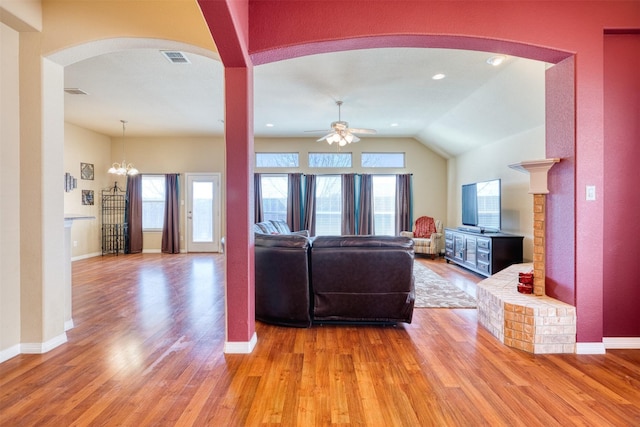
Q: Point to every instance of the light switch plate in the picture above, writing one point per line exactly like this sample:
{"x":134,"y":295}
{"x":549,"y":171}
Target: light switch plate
{"x":591,"y":192}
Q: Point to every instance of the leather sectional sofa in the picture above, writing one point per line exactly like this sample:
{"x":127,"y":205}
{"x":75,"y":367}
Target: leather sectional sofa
{"x":300,"y":281}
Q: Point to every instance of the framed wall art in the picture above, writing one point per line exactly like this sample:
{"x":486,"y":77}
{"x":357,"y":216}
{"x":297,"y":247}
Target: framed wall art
{"x":87,"y":197}
{"x":86,"y":170}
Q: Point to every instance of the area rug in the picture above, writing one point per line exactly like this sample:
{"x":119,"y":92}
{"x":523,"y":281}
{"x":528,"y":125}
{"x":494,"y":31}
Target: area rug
{"x":432,"y":291}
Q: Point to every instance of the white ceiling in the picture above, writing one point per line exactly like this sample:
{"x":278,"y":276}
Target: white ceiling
{"x":475,"y":103}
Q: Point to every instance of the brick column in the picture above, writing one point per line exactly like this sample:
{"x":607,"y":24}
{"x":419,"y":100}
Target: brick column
{"x":539,"y":230}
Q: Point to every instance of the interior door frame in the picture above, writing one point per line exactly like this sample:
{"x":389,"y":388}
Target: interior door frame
{"x":217,"y":225}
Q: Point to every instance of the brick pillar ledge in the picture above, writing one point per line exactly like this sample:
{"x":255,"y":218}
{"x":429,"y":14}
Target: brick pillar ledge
{"x":539,"y":231}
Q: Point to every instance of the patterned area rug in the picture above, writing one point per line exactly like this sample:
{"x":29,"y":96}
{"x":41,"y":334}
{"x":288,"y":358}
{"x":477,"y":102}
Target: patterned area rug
{"x":432,"y":291}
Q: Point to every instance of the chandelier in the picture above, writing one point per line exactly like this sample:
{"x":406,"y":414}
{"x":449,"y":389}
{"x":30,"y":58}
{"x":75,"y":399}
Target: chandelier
{"x":123,"y":168}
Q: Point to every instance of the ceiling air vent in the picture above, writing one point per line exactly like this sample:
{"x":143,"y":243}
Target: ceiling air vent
{"x":75,"y":91}
{"x":175,"y":57}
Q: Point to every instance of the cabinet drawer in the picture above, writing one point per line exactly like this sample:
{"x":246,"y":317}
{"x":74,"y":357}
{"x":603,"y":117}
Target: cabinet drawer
{"x":484,"y":243}
{"x":448,"y":253}
{"x":483,"y":267}
{"x":484,"y":256}
{"x":448,"y":244}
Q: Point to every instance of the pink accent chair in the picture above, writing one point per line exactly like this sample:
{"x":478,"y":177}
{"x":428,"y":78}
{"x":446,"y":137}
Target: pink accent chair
{"x":427,"y":235}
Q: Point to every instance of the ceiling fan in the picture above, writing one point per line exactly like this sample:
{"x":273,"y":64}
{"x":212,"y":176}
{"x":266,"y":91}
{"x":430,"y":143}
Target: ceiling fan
{"x":340,"y":131}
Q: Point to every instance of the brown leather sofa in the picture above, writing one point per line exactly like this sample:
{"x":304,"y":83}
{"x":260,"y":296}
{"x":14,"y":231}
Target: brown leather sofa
{"x":353,"y":279}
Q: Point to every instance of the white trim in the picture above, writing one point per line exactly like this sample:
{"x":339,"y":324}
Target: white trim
{"x":213,"y":247}
{"x":632,"y":343}
{"x":39,"y":348}
{"x":85,"y":256}
{"x":68,"y":324}
{"x":10,"y":352}
{"x":152,"y":251}
{"x":241,"y":347}
{"x":590,"y":348}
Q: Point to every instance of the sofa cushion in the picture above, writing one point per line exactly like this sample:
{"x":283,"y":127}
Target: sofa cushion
{"x":265,"y":227}
{"x":281,"y":226}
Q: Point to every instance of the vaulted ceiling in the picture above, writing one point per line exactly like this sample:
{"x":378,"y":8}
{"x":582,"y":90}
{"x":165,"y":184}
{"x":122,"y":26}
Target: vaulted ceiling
{"x":391,"y":90}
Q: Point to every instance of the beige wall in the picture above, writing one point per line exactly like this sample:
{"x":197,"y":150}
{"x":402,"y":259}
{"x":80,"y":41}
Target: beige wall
{"x":84,"y":146}
{"x":428,"y":168}
{"x":9,"y":194}
{"x":157,"y":155}
{"x":174,"y":155}
{"x":492,"y":161}
{"x":73,"y":22}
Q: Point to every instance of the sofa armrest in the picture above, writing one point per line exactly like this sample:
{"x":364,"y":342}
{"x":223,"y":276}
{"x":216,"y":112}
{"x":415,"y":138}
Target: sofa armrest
{"x":407,"y":234}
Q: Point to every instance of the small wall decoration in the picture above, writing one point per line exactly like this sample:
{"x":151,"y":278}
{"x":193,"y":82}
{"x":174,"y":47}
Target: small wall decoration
{"x":87,"y":197}
{"x":86,"y":170}
{"x":70,"y":183}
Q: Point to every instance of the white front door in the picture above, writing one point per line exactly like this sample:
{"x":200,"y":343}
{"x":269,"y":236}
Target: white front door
{"x":203,"y":212}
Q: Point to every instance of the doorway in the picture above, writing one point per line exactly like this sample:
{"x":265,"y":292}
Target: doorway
{"x":202,"y":212}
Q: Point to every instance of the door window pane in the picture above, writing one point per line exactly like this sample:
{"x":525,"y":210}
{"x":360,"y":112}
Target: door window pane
{"x":274,"y":196}
{"x":202,"y":214}
{"x":328,"y":205}
{"x":384,"y":205}
{"x":152,"y":202}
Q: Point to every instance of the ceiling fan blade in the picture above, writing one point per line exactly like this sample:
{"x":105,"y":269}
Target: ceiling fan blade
{"x":355,"y":138}
{"x":367,"y":131}
{"x":319,"y":130}
{"x":326,"y":136}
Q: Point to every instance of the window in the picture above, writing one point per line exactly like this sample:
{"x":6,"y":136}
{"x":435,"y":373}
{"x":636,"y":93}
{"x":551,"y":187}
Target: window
{"x":277,"y":160}
{"x":274,"y":196}
{"x":152,"y":202}
{"x":328,"y":205}
{"x":329,"y":160}
{"x":382,"y":160}
{"x":384,"y":204}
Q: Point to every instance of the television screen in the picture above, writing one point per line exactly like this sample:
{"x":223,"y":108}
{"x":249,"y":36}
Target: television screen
{"x":488,"y":204}
{"x":469,"y":205}
{"x":481,"y":205}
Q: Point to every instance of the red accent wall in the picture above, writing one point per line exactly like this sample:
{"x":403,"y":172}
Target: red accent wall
{"x":621,"y":185}
{"x":229,"y":23}
{"x":550,"y":31}
{"x":560,"y":218}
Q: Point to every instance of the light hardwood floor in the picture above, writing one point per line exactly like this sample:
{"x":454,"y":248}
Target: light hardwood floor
{"x":147,"y":351}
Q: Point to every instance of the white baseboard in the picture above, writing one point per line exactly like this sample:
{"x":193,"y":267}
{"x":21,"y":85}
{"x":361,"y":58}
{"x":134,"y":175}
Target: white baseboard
{"x":152,"y":251}
{"x":631,"y":343}
{"x":590,"y":348}
{"x":68,"y":324}
{"x":241,"y":347}
{"x":10,"y":352}
{"x":85,"y":256}
{"x":40,"y":348}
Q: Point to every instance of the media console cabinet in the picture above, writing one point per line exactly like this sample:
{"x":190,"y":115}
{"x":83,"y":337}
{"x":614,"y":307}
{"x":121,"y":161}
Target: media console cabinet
{"x":483,"y":253}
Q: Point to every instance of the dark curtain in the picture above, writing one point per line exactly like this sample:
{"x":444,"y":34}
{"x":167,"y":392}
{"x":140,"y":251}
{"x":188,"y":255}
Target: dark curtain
{"x":294,"y":202}
{"x":257,"y":195}
{"x":171,"y":226}
{"x":365,"y":216}
{"x":348,"y":204}
{"x":403,"y":203}
{"x":133,"y":215}
{"x":310,"y":204}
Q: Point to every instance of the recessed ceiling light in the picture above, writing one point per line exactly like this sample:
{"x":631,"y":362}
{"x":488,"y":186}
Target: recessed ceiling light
{"x":393,"y":125}
{"x":439,"y":76}
{"x":496,"y":60}
{"x":269,"y":125}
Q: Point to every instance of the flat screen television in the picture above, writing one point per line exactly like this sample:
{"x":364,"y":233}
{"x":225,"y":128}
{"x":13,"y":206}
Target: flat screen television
{"x":481,"y":205}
